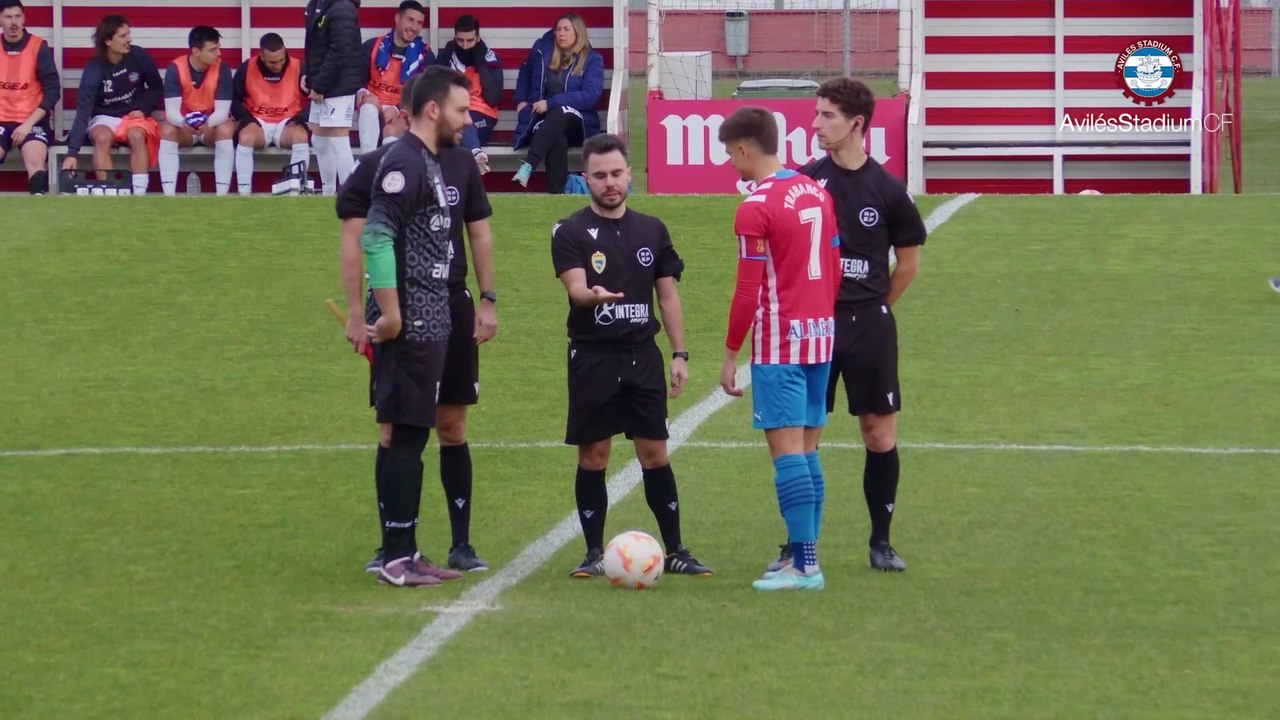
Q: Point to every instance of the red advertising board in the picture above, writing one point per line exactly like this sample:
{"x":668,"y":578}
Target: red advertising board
{"x":684,"y":156}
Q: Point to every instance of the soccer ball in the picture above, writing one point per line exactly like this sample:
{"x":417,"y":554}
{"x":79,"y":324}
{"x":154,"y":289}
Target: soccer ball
{"x":634,"y":560}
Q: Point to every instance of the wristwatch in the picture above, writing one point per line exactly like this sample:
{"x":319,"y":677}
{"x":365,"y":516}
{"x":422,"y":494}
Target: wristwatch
{"x":489,"y":295}
{"x":681,"y":354}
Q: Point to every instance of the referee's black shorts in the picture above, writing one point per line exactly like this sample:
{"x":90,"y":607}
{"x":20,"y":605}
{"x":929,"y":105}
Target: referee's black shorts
{"x":866,"y":359}
{"x":616,"y":389}
{"x":460,"y":381}
{"x":404,"y":381}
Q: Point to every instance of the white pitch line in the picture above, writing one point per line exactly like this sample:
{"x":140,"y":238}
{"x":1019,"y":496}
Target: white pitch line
{"x":943,"y":212}
{"x":399,"y":667}
{"x":702,"y":444}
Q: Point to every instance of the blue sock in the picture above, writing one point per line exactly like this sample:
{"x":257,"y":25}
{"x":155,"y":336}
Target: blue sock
{"x":804,"y":555}
{"x":819,"y":492}
{"x":795,"y":500}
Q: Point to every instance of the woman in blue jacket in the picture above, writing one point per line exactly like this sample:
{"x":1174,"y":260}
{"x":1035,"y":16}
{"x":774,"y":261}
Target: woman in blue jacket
{"x":556,"y":94}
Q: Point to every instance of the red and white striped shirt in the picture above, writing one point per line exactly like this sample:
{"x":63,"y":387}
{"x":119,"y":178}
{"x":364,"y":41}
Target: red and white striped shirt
{"x":788,"y":238}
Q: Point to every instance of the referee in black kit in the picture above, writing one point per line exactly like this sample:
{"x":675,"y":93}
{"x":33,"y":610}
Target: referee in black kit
{"x":406,"y":252}
{"x":875,"y":215}
{"x":611,"y":260}
{"x":460,"y":381}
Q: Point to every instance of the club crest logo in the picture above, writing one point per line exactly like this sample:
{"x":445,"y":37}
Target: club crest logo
{"x":869,"y":217}
{"x":1146,"y":72}
{"x":451,"y":194}
{"x":597,"y":261}
{"x":645,"y":256}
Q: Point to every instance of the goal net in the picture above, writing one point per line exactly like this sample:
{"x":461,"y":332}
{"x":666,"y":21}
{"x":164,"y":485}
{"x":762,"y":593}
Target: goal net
{"x":712,"y":48}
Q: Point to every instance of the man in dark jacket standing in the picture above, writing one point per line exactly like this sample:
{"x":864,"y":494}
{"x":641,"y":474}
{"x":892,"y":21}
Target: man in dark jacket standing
{"x":332,"y":71}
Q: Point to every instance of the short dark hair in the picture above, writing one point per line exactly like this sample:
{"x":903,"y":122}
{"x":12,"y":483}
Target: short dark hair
{"x":410,"y":5}
{"x":852,"y":97}
{"x":466,"y":23}
{"x":752,"y":123}
{"x":201,"y":35}
{"x":6,"y":4}
{"x":433,"y":86}
{"x":406,"y":91}
{"x":271,"y":42}
{"x":603,"y":144}
{"x":107,"y":28}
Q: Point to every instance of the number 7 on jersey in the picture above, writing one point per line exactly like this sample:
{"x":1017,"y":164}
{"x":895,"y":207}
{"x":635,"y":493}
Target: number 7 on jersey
{"x":813,"y":218}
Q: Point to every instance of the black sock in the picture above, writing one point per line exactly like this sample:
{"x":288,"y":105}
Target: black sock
{"x":379,"y":478}
{"x":593,"y":505}
{"x":455,"y":476}
{"x":880,"y":486}
{"x":401,"y":490}
{"x":660,"y":492}
{"x":38,"y":184}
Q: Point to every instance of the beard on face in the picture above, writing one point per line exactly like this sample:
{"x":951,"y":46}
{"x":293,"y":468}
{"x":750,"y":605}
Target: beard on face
{"x":445,"y":137}
{"x":609,"y":204}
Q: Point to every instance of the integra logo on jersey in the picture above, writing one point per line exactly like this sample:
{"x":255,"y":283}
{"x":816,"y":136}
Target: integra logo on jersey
{"x":609,"y":313}
{"x":855,"y":268}
{"x":811,"y":328}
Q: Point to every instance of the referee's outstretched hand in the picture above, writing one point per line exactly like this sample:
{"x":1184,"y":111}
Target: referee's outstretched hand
{"x":602,"y":296}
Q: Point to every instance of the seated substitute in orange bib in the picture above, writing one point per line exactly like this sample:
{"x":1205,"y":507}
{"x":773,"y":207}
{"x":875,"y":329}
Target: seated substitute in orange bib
{"x":197,"y":109}
{"x":393,"y":59}
{"x":267,"y":104}
{"x":29,"y":90}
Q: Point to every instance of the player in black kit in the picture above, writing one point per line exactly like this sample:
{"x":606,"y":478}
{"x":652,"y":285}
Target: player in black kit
{"x":875,"y":213}
{"x":406,"y":251}
{"x":611,"y":260}
{"x":460,"y":381}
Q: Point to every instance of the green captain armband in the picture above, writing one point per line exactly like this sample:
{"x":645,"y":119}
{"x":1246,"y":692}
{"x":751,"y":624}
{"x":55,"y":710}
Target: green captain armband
{"x":379,"y":256}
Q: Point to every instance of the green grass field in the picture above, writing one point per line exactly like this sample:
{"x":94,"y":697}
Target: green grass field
{"x":1080,"y":544}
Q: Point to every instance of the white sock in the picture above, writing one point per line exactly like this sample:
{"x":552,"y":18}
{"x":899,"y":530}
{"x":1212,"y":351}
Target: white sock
{"x":140,"y":183}
{"x":224,"y":157}
{"x":169,"y":167}
{"x":300,"y":153}
{"x":341,"y":147}
{"x":327,"y":163}
{"x":370,"y":122}
{"x":244,"y":169}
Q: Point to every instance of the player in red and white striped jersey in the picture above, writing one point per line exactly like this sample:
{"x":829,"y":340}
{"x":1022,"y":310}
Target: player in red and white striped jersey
{"x":788,"y":275}
{"x":784,"y":232}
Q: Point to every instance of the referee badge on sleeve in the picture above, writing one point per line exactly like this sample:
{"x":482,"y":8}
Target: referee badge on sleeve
{"x":597,"y":261}
{"x":393,"y":182}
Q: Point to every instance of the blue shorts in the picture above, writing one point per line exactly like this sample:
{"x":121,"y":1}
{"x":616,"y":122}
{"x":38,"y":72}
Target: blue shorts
{"x":789,"y":395}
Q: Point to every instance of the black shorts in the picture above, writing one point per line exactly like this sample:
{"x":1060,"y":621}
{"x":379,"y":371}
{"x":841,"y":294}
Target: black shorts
{"x":460,"y":384}
{"x":616,"y":390}
{"x":40,"y":133}
{"x":866,"y":358}
{"x":404,"y":381}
